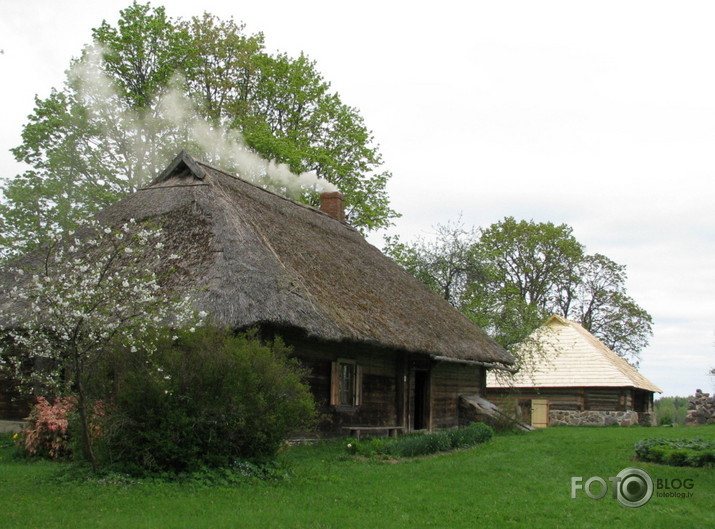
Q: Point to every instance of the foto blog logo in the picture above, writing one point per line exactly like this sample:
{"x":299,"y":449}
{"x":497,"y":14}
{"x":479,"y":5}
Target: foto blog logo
{"x":632,"y":487}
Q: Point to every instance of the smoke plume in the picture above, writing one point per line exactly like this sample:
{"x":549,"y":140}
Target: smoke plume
{"x":154,"y":136}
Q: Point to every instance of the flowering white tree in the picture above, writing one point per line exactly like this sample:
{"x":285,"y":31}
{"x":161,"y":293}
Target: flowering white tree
{"x":85,"y":294}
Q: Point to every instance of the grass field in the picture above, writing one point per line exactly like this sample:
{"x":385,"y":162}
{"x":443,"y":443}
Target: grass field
{"x":513,"y":481}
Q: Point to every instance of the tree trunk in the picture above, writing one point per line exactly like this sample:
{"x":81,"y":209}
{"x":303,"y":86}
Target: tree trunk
{"x":84,"y":423}
{"x":83,"y":415}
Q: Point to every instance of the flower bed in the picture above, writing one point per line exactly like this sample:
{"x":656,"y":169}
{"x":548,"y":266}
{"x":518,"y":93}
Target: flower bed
{"x":677,"y":452}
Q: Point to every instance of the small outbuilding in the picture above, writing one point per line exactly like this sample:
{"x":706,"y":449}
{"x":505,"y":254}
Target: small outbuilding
{"x":576,"y":380}
{"x":382,"y":350}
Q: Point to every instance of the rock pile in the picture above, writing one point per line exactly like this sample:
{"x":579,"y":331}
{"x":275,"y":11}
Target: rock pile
{"x":701,"y":409}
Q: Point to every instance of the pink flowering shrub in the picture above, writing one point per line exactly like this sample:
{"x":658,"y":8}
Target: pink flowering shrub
{"x":46,"y":432}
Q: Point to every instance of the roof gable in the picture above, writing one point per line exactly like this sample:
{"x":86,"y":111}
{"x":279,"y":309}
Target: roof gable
{"x":573,"y":357}
{"x":183,"y":166}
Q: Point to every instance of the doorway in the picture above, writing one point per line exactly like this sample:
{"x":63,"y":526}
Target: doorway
{"x":420,"y":404}
{"x":539,"y":413}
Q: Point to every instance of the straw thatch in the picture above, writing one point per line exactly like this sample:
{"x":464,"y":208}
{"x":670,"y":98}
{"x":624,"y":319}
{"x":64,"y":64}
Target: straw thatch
{"x":252,"y":257}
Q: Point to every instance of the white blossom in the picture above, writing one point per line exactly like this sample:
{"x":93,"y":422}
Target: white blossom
{"x":79,"y":304}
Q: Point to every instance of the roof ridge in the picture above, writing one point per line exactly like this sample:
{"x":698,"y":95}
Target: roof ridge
{"x":615,"y":360}
{"x":275,"y":194}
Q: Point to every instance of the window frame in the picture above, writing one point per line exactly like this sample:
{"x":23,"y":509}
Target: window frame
{"x":337,"y":391}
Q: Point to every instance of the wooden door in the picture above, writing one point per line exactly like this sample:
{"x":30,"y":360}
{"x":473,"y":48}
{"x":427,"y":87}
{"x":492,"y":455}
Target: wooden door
{"x":539,"y":413}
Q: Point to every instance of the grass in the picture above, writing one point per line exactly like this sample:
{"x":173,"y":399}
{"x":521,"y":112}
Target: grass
{"x":513,"y":481}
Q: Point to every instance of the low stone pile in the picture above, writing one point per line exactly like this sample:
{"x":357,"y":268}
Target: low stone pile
{"x":701,"y":409}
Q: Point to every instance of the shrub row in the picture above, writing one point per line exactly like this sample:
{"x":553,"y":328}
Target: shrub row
{"x":677,"y":452}
{"x":422,"y":444}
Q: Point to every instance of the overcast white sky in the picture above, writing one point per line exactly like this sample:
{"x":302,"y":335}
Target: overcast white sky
{"x":600,"y":115}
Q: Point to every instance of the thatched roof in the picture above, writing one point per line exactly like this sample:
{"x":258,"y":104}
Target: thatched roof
{"x":573,"y":357}
{"x":253,"y":257}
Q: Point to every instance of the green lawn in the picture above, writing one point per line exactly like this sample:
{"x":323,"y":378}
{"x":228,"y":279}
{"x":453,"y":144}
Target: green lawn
{"x":513,"y":481}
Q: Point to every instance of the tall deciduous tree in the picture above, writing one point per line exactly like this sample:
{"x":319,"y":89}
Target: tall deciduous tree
{"x":525,"y":262}
{"x":123,"y":112}
{"x":509,"y":277}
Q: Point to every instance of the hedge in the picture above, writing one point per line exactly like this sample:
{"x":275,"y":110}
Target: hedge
{"x":677,"y":452}
{"x":422,"y":444}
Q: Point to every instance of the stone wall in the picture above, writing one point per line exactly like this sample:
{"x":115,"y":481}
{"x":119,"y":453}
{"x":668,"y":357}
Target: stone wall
{"x":701,"y":409}
{"x":599,"y":418}
{"x":11,"y":426}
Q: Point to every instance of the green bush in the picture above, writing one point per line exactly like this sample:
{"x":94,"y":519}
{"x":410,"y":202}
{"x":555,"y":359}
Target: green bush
{"x":8,"y":440}
{"x":421,"y":444}
{"x":472,"y":435}
{"x":205,"y":401}
{"x":676,"y":452}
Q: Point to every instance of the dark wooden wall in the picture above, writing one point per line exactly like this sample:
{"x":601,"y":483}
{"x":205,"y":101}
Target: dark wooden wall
{"x":12,"y":406}
{"x":596,"y":399}
{"x":380,"y":369}
{"x":388,"y":384}
{"x":449,"y":381}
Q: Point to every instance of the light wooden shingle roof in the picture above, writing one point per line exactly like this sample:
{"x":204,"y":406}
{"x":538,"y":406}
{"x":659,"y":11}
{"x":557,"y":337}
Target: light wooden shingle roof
{"x":573,"y":357}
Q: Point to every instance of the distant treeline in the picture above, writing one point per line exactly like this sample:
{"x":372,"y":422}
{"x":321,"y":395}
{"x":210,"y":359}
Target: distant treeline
{"x":671,"y":410}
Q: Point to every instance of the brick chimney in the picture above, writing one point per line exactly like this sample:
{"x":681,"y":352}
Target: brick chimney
{"x":333,"y":204}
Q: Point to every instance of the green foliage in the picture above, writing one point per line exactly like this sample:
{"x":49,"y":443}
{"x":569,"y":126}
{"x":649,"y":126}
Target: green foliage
{"x":142,"y":52}
{"x":671,"y":410}
{"x":472,"y":435}
{"x":7,"y":439}
{"x":206,"y":400}
{"x":421,"y":444}
{"x":509,"y":277}
{"x":447,"y":265}
{"x":677,"y":452}
{"x":135,"y":98}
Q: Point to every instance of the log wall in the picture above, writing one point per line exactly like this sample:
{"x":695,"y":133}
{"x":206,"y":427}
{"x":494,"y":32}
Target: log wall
{"x":596,"y":399}
{"x":380,"y":404}
{"x":389,"y":385}
{"x":449,"y":381}
{"x":604,"y":405}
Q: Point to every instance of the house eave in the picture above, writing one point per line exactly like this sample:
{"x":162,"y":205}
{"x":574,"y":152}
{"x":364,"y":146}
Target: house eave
{"x":489,"y":365}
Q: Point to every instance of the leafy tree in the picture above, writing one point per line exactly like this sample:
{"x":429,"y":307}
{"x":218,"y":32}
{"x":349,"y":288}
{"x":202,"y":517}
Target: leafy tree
{"x":596,"y":297}
{"x":142,"y":52}
{"x":509,"y":277}
{"x":524,"y":261}
{"x":141,"y":92}
{"x":671,"y":410}
{"x":77,"y":299}
{"x":446,"y":264}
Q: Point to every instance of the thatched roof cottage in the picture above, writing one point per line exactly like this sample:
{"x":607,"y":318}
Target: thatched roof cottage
{"x":576,"y":380}
{"x":381,"y":348}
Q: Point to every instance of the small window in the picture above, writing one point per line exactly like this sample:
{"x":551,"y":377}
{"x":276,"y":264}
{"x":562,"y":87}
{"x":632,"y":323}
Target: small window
{"x":345,"y":384}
